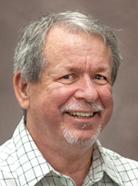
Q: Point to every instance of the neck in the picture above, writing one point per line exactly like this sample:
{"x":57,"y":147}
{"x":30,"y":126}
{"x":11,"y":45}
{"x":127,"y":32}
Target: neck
{"x":72,"y":161}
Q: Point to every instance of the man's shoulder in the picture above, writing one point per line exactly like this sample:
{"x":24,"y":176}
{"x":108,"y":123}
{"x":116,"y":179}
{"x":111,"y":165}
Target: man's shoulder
{"x":123,"y":168}
{"x":119,"y":159}
{"x":7,"y":158}
{"x":8,"y":150}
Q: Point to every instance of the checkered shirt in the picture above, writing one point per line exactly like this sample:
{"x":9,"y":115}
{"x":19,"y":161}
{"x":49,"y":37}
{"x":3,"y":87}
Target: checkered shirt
{"x":22,"y":164}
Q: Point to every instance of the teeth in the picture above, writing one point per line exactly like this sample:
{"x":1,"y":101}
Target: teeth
{"x":81,"y":114}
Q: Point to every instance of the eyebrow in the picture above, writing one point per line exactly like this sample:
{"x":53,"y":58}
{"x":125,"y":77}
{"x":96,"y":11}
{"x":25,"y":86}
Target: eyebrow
{"x":73,"y":67}
{"x":80,"y":69}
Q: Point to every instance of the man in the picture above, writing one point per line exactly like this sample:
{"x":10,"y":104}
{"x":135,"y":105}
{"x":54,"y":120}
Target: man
{"x":64,"y":68}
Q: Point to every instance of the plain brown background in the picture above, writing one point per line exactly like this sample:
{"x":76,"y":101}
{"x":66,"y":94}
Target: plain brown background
{"x":121,"y":134}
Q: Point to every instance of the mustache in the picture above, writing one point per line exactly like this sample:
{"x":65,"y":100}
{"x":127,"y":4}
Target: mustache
{"x":76,"y":106}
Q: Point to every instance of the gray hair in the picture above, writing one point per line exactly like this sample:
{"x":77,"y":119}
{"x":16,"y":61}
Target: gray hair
{"x":29,"y":59}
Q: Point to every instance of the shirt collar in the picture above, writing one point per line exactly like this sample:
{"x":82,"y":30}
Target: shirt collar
{"x":107,"y":163}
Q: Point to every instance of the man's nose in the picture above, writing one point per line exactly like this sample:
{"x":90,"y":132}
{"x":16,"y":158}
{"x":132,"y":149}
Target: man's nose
{"x":87,"y":90}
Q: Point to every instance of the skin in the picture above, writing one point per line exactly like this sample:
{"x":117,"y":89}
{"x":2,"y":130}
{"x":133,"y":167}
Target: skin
{"x":78,"y":73}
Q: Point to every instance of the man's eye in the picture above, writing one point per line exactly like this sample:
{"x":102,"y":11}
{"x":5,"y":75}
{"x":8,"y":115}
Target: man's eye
{"x":67,"y":79}
{"x":101,"y":79}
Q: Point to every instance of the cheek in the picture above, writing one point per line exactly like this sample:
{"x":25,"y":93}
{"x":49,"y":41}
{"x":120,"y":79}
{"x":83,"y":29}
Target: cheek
{"x":107,"y":101}
{"x":59,"y":93}
{"x":106,"y":97}
{"x":52,"y":100}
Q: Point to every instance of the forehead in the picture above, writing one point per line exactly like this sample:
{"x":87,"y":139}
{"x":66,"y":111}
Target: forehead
{"x":63,"y":44}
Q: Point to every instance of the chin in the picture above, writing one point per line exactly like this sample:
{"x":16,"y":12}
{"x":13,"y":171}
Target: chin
{"x":83,"y":138}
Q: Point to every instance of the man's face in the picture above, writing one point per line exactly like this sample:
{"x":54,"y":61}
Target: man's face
{"x":73,"y":100}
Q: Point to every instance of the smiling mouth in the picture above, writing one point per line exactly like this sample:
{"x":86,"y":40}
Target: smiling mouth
{"x":81,"y":115}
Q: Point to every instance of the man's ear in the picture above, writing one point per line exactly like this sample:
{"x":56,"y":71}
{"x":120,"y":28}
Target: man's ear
{"x":21,"y":90}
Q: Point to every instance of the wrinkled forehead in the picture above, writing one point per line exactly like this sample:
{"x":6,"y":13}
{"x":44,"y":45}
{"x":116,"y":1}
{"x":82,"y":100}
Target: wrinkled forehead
{"x":61,"y":28}
{"x":64,"y":48}
{"x":63,"y":38}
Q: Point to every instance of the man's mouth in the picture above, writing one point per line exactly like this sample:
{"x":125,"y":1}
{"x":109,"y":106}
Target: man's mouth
{"x":80,"y":115}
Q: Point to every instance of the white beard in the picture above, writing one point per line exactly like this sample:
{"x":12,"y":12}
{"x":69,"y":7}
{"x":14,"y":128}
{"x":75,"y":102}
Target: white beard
{"x":72,"y":139}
